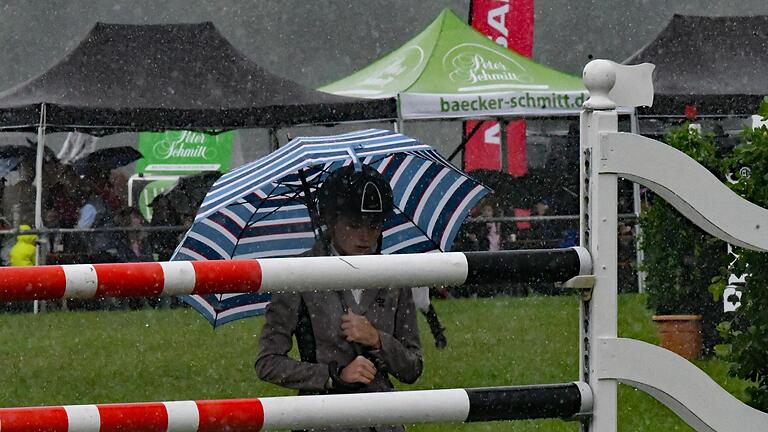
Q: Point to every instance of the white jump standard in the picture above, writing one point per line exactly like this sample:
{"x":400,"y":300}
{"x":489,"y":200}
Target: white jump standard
{"x":606,"y":155}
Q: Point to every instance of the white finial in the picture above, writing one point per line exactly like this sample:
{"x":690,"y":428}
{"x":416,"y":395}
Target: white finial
{"x":599,"y":77}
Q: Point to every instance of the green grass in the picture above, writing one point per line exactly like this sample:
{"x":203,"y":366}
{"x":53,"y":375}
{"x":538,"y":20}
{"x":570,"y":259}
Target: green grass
{"x":101,"y":357}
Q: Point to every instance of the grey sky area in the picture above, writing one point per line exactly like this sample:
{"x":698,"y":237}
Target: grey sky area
{"x":316,"y":42}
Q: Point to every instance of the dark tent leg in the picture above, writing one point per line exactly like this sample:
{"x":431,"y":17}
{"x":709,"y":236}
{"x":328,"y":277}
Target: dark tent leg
{"x":465,"y":140}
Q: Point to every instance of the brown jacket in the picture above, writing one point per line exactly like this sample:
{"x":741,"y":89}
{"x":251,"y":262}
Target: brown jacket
{"x":391,"y":312}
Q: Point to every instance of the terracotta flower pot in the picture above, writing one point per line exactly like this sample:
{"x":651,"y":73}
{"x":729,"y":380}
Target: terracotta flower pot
{"x":680,"y":334}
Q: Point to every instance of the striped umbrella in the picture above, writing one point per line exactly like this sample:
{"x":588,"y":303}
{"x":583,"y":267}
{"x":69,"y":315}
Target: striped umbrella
{"x":259,"y":210}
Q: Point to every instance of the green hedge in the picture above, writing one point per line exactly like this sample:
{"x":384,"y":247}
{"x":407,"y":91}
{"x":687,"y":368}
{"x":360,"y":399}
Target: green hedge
{"x":681,"y":260}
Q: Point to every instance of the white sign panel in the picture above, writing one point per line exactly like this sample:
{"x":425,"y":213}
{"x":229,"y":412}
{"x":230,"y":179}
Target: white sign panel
{"x":424,"y":106}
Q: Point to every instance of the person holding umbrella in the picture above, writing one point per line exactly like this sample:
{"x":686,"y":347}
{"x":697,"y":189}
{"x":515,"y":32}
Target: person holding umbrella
{"x":267,"y":207}
{"x":349,"y":341}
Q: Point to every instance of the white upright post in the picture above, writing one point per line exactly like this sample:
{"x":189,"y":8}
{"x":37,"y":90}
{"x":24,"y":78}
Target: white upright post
{"x":599,"y":196}
{"x":39,"y":190}
{"x":637,"y":208}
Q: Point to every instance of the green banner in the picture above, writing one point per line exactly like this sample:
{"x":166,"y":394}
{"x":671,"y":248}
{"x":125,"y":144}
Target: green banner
{"x":150,"y":192}
{"x":183,"y":152}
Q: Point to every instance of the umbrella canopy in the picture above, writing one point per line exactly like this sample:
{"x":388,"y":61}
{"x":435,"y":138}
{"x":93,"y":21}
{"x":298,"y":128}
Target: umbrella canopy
{"x":189,"y":191}
{"x":260,"y":209}
{"x":106,"y":159}
{"x":26,"y":153}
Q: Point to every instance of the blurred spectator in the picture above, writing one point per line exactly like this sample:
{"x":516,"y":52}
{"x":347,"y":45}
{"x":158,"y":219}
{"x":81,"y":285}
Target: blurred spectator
{"x":19,"y":197}
{"x":62,"y":199}
{"x":131,"y":246}
{"x":165,"y":213}
{"x":118,"y":181}
{"x":96,"y":213}
{"x":23,"y":252}
{"x":542,"y":233}
{"x":493,"y":236}
{"x":18,"y":205}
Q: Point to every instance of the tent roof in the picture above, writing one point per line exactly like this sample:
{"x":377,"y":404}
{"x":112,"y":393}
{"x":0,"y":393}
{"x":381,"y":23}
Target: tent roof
{"x":169,"y":76}
{"x":450,"y":58}
{"x":716,"y":63}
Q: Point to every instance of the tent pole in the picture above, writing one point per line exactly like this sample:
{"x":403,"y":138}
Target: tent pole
{"x":634,"y":127}
{"x":39,"y":169}
{"x":465,"y":140}
{"x":274,"y":143}
{"x":503,"y":145}
{"x":399,"y":125}
{"x":39,"y":189}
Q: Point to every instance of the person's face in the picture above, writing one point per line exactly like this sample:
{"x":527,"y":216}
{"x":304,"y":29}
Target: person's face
{"x":487,"y":211}
{"x":136,"y":220}
{"x":541,"y":208}
{"x":355,"y":236}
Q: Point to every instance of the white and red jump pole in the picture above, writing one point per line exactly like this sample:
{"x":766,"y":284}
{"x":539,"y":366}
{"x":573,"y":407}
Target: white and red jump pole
{"x":565,"y":401}
{"x":288,"y":274}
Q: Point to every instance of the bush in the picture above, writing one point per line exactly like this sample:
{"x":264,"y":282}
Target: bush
{"x":747,"y":333}
{"x":681,"y":260}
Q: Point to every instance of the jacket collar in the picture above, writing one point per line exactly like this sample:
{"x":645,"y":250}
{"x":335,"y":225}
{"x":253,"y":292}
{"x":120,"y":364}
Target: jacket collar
{"x":368,"y":296}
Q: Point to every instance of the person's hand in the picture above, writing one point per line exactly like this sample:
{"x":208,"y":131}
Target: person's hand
{"x":358,"y":329}
{"x":360,"y":370}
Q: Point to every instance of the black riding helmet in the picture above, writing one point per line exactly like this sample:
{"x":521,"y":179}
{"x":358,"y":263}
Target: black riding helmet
{"x":363,"y":194}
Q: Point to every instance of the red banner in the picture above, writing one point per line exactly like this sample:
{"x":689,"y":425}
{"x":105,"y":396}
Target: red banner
{"x":509,"y":23}
{"x":483,"y":149}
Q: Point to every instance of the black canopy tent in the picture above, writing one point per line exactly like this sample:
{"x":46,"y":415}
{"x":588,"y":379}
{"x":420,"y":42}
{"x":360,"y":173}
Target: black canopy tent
{"x":123,"y":78}
{"x":717,"y":64}
{"x":129,"y":78}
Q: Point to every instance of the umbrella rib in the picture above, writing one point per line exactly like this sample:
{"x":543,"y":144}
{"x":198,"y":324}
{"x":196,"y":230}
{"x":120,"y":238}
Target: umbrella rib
{"x":419,"y":228}
{"x":250,"y":222}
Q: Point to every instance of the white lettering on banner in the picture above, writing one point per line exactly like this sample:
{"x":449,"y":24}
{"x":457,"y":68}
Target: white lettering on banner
{"x":387,"y":75}
{"x":188,"y":144}
{"x":474,"y":68}
{"x":501,"y":40}
{"x":192,"y":137}
{"x":496,"y":19}
{"x":425,"y":105}
{"x":183,"y":167}
{"x":409,"y":59}
{"x":492,"y":135}
{"x":177,"y":149}
{"x":472,"y":65}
